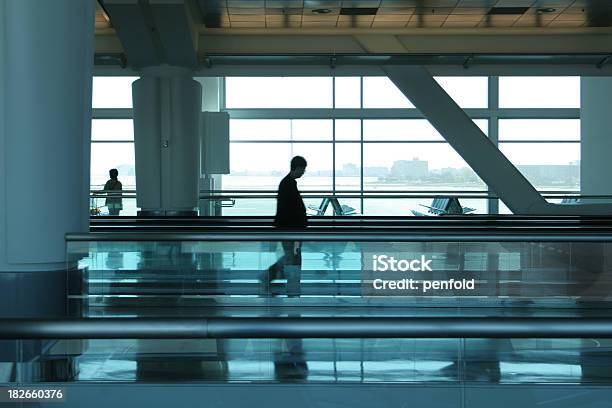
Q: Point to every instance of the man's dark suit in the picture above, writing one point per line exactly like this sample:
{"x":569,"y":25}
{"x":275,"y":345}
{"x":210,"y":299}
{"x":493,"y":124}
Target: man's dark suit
{"x":290,"y":209}
{"x":290,"y":214}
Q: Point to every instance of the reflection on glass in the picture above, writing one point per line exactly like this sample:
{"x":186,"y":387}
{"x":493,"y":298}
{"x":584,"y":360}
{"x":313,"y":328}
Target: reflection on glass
{"x":188,"y":278}
{"x":332,"y":361}
{"x":549,"y":271}
{"x":288,"y":267}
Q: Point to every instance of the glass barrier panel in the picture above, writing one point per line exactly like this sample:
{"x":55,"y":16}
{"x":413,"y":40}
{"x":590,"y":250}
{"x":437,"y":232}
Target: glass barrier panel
{"x":322,"y":360}
{"x":109,"y":275}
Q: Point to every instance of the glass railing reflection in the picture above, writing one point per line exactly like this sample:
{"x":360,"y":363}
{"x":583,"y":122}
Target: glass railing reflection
{"x":504,"y":361}
{"x":215,"y":276}
{"x":309,"y":272}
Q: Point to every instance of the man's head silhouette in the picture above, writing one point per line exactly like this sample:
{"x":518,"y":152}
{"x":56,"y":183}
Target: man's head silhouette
{"x":298,"y":167}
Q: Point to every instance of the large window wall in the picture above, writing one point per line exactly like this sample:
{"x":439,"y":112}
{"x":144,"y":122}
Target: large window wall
{"x":539,"y":130}
{"x":112,"y":139}
{"x":364,"y":141}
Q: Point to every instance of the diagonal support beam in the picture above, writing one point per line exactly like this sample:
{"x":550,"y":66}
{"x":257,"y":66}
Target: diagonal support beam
{"x":155,"y":32}
{"x":417,"y":84}
{"x":465,"y":137}
{"x":133,"y":29}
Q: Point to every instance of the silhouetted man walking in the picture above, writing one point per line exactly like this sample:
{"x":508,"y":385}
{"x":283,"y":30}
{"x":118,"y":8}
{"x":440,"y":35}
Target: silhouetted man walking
{"x":290,"y":214}
{"x":290,"y":209}
{"x":289,"y":359}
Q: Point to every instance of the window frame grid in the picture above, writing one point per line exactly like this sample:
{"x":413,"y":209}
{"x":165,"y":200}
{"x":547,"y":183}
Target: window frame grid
{"x":492,"y":113}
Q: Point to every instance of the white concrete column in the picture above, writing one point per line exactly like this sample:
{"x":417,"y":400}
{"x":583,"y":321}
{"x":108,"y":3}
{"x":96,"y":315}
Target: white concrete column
{"x":596,"y":136}
{"x":167,"y":106}
{"x":46,"y":59}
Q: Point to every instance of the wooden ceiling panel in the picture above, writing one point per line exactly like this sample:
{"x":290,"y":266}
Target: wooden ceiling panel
{"x":396,"y":13}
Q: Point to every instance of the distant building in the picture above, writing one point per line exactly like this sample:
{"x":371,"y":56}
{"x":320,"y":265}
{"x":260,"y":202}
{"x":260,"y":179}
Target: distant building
{"x":375,"y":171}
{"x":349,"y":169}
{"x":551,"y":173}
{"x":410,"y":169}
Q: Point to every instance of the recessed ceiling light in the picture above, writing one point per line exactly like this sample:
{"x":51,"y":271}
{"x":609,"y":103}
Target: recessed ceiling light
{"x":507,"y":11}
{"x":321,"y":11}
{"x":358,"y":11}
{"x":546,"y":10}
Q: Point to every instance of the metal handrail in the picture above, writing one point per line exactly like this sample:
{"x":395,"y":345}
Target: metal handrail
{"x":371,"y":195}
{"x":337,"y":192}
{"x":94,"y":190}
{"x":307,"y":327}
{"x":365,"y":196}
{"x":222,"y":195}
{"x":355,"y":191}
{"x":386,"y":218}
{"x":355,"y":235}
{"x":271,"y":194}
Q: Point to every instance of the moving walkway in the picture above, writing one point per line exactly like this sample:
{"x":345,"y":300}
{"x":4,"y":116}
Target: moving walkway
{"x":203,"y":276}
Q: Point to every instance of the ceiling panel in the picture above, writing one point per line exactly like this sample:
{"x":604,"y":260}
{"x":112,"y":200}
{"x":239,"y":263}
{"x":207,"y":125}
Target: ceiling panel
{"x":396,"y":14}
{"x":389,"y":24}
{"x":392,"y":17}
